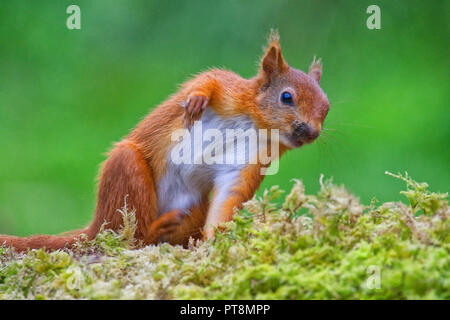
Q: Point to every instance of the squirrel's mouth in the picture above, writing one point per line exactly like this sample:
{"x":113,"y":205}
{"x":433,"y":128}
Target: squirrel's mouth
{"x":302,"y":133}
{"x":289,"y":141}
{"x":292,"y":141}
{"x":297,"y":143}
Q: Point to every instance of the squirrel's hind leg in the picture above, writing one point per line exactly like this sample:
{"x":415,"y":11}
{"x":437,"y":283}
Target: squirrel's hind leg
{"x":126,"y":176}
{"x":164,"y":226}
{"x":191,"y":226}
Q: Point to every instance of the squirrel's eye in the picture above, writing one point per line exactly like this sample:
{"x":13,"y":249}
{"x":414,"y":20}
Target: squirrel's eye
{"x":286,"y":98}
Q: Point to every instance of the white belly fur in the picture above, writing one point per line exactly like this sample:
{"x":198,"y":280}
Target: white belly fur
{"x":184,"y":185}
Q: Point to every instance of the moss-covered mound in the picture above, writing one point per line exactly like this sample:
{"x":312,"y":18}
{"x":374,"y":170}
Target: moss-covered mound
{"x":324,"y":246}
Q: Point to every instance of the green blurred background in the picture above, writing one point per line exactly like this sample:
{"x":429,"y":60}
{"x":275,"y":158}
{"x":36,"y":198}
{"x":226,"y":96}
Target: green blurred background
{"x":67,"y":95}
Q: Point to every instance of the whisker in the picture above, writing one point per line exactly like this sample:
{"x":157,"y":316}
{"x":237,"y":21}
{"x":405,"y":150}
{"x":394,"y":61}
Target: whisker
{"x":340,"y":102}
{"x":335,"y":131}
{"x":330,"y":156}
{"x":343,"y":149}
{"x":319,"y":145}
{"x":353,"y":125}
{"x":339,"y":137}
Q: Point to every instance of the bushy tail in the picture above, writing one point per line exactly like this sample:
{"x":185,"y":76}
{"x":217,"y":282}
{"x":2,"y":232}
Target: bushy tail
{"x":48,"y":242}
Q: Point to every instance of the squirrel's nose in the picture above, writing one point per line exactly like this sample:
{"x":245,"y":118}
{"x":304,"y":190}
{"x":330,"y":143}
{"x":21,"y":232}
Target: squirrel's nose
{"x":303,"y":130}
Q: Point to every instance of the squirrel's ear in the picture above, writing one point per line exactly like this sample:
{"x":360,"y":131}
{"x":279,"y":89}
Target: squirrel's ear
{"x":272,"y":63}
{"x":315,"y":70}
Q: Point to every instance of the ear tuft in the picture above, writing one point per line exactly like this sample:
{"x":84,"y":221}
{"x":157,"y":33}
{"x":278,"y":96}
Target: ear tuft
{"x":273,"y":37}
{"x":272,"y":63}
{"x":315,"y":70}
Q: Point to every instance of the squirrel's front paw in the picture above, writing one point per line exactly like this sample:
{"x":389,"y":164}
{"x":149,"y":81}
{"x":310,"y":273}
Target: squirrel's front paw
{"x":208,"y":234}
{"x":194,"y":107}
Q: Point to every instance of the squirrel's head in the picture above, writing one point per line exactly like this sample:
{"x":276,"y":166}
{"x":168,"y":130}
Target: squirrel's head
{"x":289,"y":99}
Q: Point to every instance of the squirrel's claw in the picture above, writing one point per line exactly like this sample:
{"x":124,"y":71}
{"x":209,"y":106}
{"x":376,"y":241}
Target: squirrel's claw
{"x":194,"y":109}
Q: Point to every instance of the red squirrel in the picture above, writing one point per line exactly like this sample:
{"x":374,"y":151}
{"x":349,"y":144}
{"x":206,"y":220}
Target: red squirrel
{"x":174,"y":202}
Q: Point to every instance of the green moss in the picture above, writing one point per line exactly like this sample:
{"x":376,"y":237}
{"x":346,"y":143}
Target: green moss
{"x":324,"y":246}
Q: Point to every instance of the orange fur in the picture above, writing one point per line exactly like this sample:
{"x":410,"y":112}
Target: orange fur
{"x":137,"y":164}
